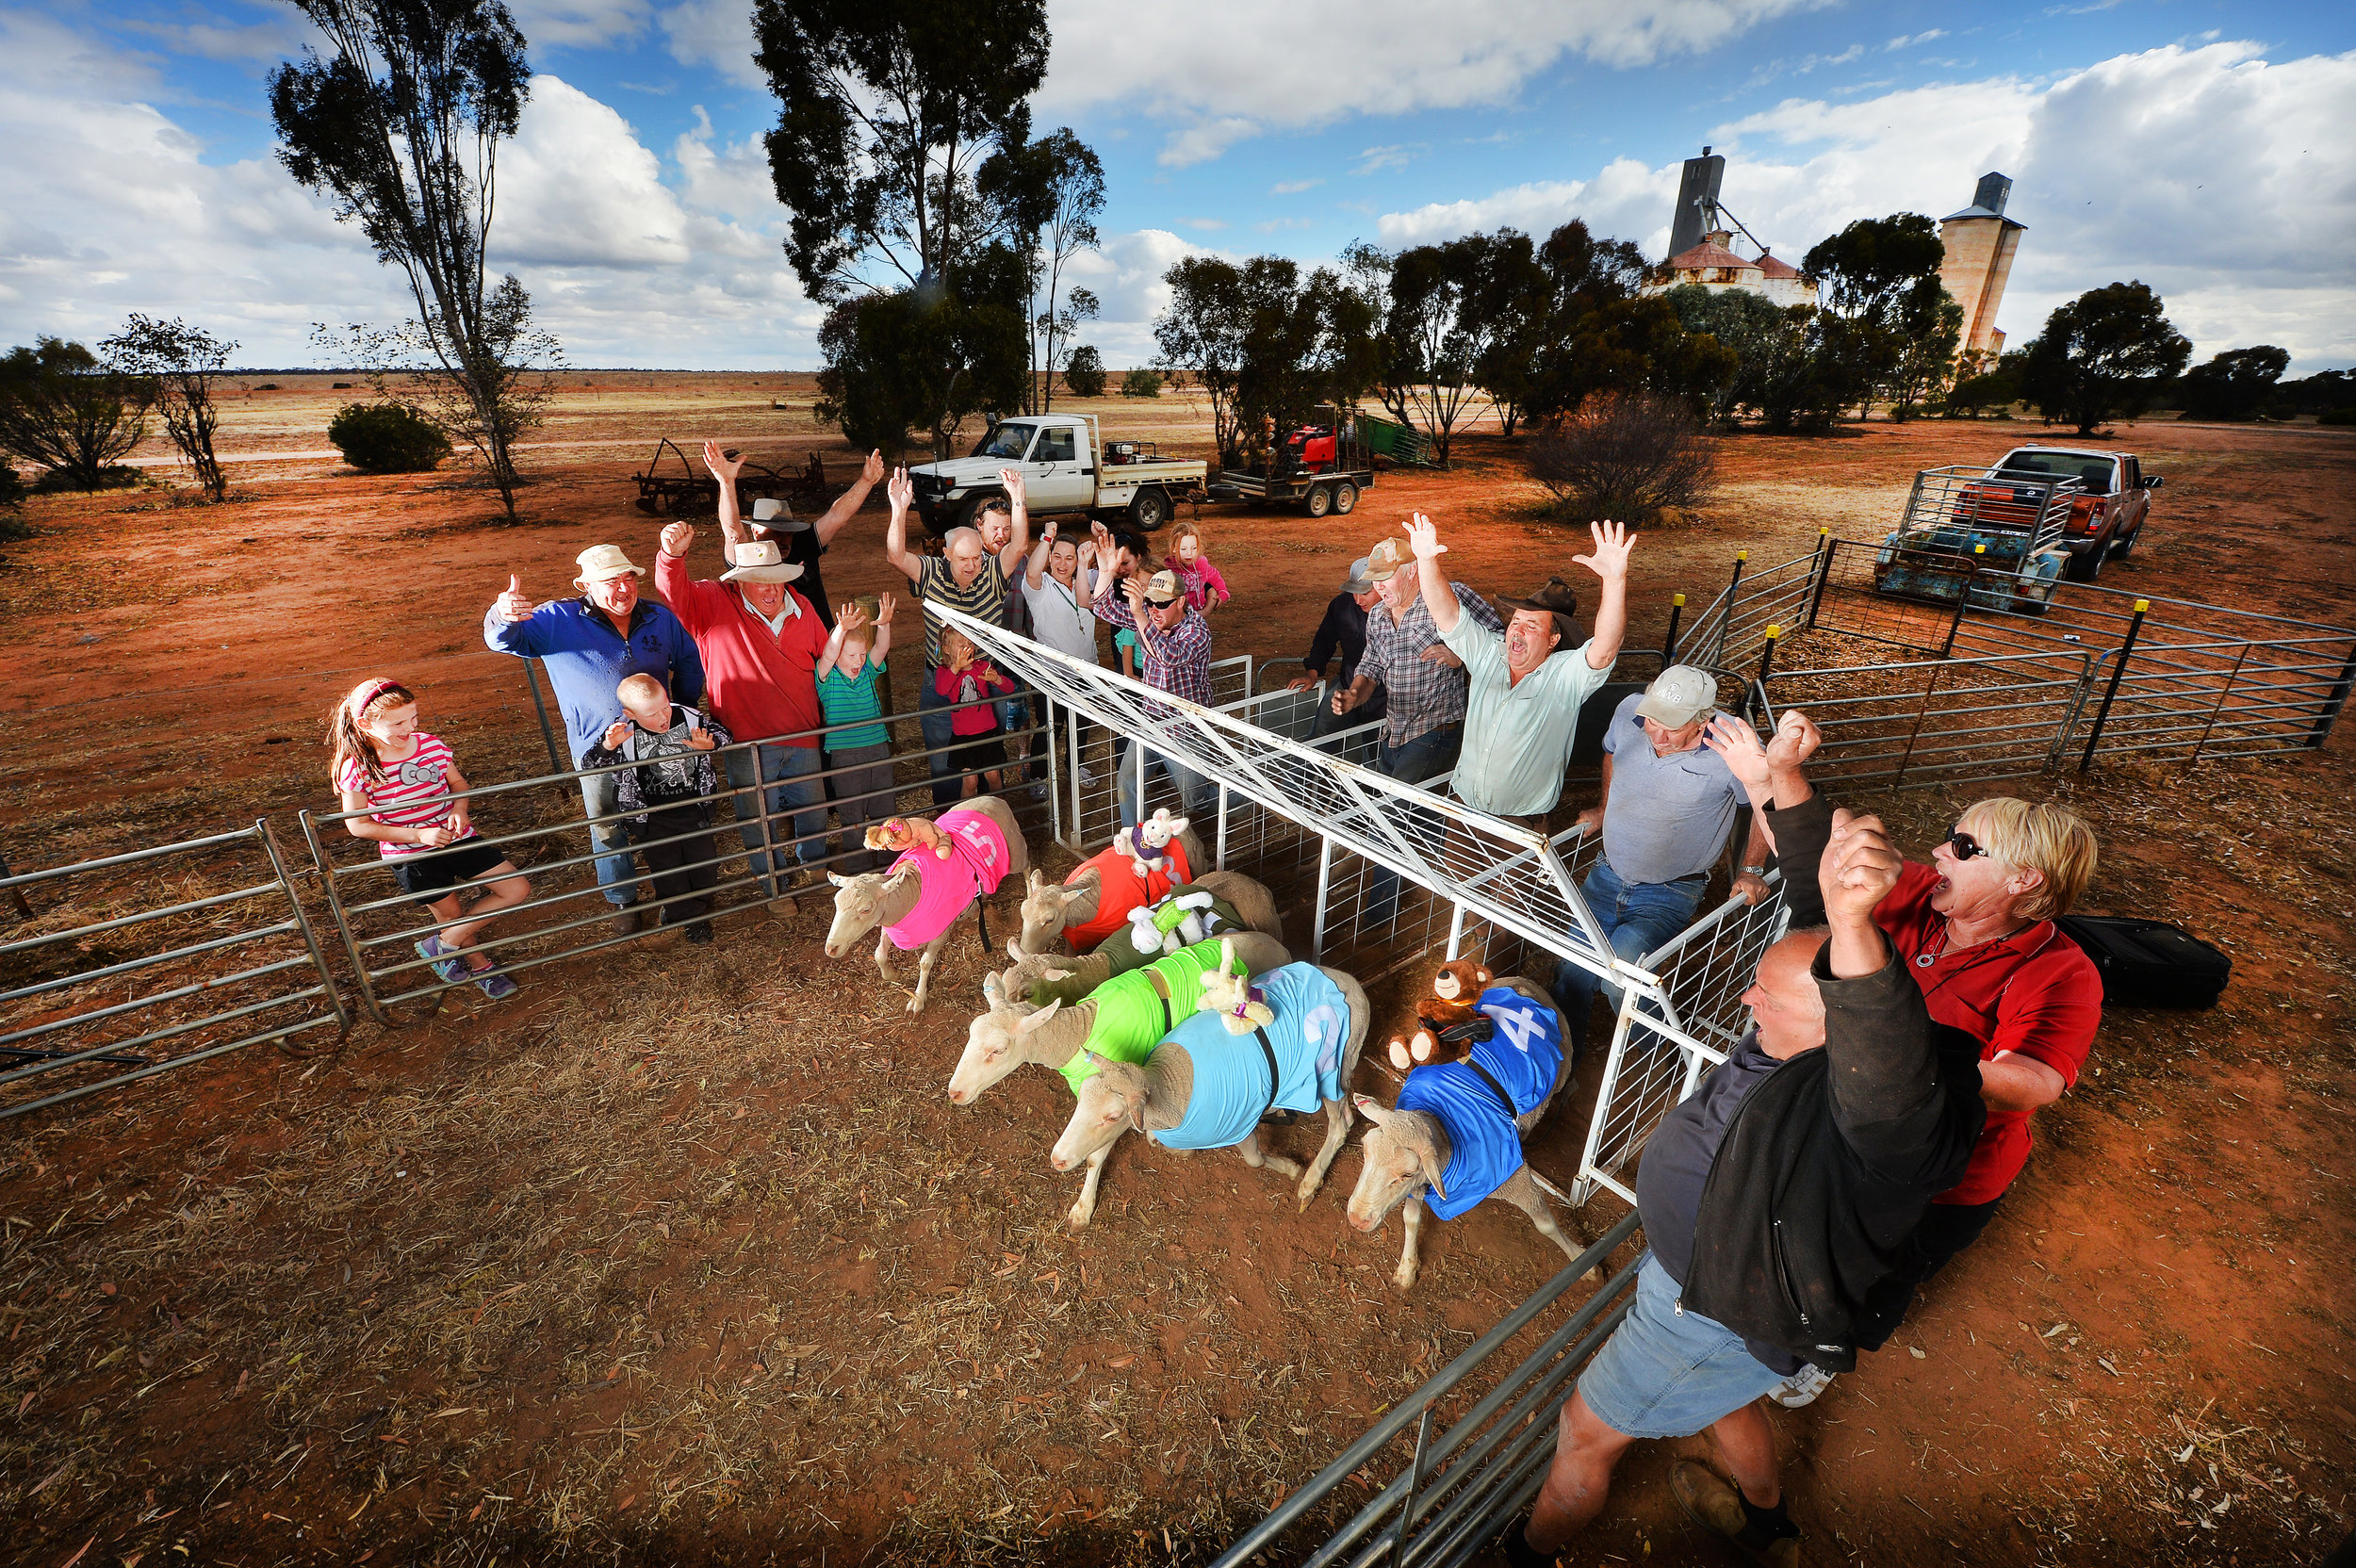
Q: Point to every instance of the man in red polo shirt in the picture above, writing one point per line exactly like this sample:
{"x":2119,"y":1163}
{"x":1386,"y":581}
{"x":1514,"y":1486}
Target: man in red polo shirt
{"x":760,"y":641}
{"x":1976,"y":928}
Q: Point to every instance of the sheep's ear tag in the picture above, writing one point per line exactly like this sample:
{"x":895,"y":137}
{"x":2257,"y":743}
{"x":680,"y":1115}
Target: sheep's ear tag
{"x":1364,"y":1103}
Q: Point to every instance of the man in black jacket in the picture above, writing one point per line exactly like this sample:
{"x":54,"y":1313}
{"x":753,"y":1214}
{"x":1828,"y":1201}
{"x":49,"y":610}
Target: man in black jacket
{"x":1343,"y":631}
{"x":1774,"y":1196}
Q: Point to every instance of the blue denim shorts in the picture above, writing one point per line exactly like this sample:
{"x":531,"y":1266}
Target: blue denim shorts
{"x":1669,"y":1374}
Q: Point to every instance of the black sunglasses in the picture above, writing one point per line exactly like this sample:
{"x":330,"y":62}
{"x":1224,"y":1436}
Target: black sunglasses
{"x":1964,"y":845}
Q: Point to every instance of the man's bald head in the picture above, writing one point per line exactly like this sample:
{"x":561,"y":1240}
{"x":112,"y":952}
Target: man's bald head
{"x":965,"y":549}
{"x":1783,"y":999}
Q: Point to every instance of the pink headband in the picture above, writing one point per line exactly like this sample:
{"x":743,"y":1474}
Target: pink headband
{"x":367,"y":691}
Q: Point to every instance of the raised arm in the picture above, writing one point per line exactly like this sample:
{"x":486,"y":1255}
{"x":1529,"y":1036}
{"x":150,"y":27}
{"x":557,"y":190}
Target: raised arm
{"x":725,"y":468}
{"x":1438,"y":597}
{"x":1610,"y":563}
{"x":508,"y":625}
{"x":844,"y":619}
{"x":1010,"y":559}
{"x":902,"y":495}
{"x":880,"y":645}
{"x":1035,"y":569}
{"x":846,"y":505}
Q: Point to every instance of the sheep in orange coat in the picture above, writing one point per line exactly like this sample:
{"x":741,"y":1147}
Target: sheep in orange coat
{"x":1454,"y":991}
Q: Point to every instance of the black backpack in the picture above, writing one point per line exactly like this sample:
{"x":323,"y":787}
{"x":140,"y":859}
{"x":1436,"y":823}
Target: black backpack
{"x":2149,"y":963}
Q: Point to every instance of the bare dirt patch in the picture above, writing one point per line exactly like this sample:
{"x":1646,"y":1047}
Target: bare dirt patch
{"x":687,"y":1257}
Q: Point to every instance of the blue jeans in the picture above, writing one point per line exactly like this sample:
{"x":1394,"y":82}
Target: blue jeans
{"x":1197,"y":796}
{"x":1434,"y":751}
{"x":601,"y":797}
{"x":1638,"y":916}
{"x":934,"y":718}
{"x":805,"y":794}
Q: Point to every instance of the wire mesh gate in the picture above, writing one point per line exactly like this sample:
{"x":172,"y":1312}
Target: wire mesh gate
{"x":230,"y":962}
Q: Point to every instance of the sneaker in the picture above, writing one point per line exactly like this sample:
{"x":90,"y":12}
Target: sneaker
{"x":1715,"y":1506}
{"x":1802,"y":1387}
{"x":1087,"y":776}
{"x":496,"y":984}
{"x":451,"y":970}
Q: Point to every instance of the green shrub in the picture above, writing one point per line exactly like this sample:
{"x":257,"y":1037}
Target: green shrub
{"x":1084,"y":375}
{"x":2336,"y":416}
{"x":387,"y":438}
{"x":1142,"y":384}
{"x":114,"y":475}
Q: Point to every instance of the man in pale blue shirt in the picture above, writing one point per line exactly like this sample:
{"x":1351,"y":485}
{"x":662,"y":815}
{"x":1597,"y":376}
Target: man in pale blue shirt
{"x":1524,"y":688}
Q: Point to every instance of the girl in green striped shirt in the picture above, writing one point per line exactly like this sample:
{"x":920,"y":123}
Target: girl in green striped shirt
{"x":850,"y":671}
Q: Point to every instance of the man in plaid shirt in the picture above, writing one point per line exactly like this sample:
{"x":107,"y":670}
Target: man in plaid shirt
{"x":1424,"y":728}
{"x":1177,"y":645}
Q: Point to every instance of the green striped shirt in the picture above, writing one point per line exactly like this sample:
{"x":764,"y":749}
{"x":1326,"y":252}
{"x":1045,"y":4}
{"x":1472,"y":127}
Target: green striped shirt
{"x":848,"y":699}
{"x":986,"y":601}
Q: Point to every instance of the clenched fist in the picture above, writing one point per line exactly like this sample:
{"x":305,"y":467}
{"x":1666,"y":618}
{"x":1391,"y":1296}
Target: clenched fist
{"x":677,"y":537}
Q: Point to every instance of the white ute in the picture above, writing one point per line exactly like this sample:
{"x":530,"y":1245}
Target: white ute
{"x":1067,"y":467}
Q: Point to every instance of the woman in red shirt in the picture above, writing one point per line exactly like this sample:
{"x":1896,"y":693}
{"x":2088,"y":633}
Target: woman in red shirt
{"x":1976,"y":928}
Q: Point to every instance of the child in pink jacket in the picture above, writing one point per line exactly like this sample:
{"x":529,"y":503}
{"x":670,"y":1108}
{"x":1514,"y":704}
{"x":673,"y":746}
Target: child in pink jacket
{"x":1204,"y":587}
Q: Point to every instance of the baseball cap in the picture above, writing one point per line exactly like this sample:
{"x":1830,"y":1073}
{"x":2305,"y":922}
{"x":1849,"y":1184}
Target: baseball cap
{"x":1162,"y":588}
{"x":1358,"y":582}
{"x":1384,"y":560}
{"x":1679,"y":695}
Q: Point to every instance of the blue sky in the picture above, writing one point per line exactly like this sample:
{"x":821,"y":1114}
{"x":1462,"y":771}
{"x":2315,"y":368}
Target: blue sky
{"x":2195,"y":145}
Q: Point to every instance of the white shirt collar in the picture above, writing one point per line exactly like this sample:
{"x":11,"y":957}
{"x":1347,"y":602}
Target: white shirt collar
{"x":776,"y":623}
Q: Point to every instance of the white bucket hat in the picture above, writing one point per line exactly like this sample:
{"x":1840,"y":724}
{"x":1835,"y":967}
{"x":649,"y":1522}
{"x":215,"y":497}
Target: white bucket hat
{"x":761,"y":562}
{"x":601,"y":562}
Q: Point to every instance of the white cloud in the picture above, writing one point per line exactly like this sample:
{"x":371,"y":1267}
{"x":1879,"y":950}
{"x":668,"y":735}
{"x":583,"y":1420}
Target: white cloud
{"x":1314,"y":62}
{"x":1293,"y":188}
{"x":2219,"y":178}
{"x":1904,"y":42}
{"x":717,"y":33}
{"x":577,"y":188}
{"x":1375,"y":159}
{"x":581,"y":24}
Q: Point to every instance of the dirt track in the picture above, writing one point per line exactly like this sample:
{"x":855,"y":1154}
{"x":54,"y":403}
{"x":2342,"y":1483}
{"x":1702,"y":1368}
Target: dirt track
{"x":688,"y":1256}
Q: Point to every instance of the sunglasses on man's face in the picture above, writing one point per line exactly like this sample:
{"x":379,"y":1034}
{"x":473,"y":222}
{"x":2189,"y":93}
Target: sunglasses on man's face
{"x":1963,"y":845}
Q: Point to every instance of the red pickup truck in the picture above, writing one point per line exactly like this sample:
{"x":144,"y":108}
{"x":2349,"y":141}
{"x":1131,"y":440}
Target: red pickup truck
{"x":2106,"y":516}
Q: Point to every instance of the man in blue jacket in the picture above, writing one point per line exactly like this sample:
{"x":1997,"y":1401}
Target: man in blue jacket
{"x":590,"y":646}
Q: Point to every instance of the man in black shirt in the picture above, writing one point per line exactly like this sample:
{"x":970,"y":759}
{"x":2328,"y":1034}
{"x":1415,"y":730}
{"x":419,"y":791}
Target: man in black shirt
{"x":801,"y":542}
{"x":1343,"y":631}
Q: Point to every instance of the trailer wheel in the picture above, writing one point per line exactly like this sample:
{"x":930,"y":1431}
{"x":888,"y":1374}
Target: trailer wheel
{"x":1149,"y":510}
{"x":1321,"y":500}
{"x":1345,"y":498}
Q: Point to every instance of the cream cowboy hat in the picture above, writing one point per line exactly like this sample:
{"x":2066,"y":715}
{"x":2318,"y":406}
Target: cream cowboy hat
{"x":770,"y":514}
{"x":599,"y":562}
{"x":761,"y":562}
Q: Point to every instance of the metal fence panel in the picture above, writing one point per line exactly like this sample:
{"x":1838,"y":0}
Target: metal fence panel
{"x":109,"y":979}
{"x":1935,"y":722}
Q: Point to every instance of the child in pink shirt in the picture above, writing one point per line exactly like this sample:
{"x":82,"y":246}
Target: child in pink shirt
{"x":1204,"y":587}
{"x":963,"y":677}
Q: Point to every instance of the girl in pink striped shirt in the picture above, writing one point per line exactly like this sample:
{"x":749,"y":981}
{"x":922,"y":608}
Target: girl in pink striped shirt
{"x":404,"y":779}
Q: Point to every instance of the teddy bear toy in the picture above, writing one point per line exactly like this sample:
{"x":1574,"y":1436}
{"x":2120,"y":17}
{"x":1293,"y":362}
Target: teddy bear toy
{"x":1145,"y":843}
{"x":1448,"y":1023}
{"x":900,"y":834}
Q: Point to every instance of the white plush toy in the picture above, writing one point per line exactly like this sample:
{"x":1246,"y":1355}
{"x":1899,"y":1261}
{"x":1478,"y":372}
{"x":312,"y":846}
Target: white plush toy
{"x":1145,"y":843}
{"x":1179,"y":920}
{"x":1230,"y":993}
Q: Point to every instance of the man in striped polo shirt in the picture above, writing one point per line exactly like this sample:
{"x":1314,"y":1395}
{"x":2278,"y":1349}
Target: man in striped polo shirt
{"x":965,"y":576}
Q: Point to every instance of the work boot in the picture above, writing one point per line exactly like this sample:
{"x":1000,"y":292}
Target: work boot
{"x":627,"y":920}
{"x":1715,"y":1506}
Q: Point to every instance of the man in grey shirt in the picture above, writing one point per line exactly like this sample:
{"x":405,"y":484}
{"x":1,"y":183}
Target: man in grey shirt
{"x":1668,"y":805}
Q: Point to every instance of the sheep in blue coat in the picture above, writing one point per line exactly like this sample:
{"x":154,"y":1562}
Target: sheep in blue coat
{"x":1456,"y":1134}
{"x":1207,"y":1085}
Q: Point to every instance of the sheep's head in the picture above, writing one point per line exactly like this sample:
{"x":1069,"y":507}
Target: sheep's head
{"x":1030,"y":969}
{"x":1403,"y":1154}
{"x":1043,"y":905}
{"x":993,"y":1041}
{"x":1111,"y":1099}
{"x":857,"y":910}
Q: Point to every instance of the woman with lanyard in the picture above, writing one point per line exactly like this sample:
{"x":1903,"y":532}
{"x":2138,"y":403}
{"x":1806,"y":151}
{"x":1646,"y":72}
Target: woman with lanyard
{"x":1056,"y":618}
{"x":1975,"y":929}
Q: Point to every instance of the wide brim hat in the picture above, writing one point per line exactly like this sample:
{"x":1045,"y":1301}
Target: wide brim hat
{"x":601,"y":562}
{"x":1555,"y":598}
{"x":771,"y":515}
{"x":761,"y":562}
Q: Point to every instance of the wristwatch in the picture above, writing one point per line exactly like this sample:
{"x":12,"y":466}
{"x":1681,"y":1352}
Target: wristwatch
{"x":1754,"y":871}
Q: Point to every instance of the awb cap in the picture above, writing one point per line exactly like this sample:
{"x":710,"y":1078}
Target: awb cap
{"x":1162,"y":588}
{"x":1679,"y":695}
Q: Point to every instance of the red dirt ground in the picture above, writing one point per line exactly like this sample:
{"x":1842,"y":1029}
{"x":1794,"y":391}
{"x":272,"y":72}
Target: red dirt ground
{"x":733,"y":1340}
